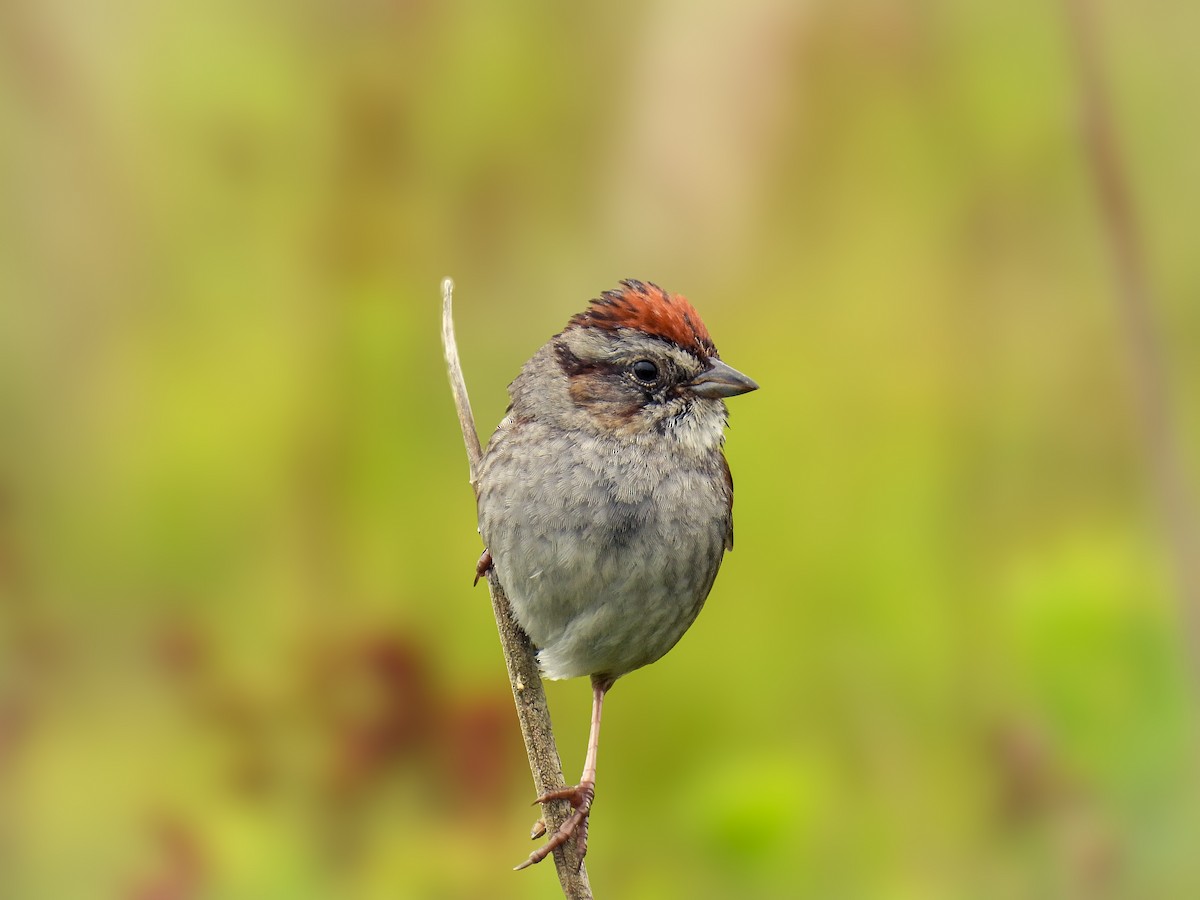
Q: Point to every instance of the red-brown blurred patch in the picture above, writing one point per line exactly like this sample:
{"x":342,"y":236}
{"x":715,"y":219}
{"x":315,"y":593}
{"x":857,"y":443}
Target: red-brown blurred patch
{"x":375,"y":702}
{"x":180,"y":649}
{"x":482,"y":750}
{"x":181,"y":869}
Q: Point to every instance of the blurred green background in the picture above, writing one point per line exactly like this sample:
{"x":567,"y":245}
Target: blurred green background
{"x":240,"y":656}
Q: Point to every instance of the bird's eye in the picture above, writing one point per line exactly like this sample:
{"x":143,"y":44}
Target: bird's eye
{"x":645,"y":371}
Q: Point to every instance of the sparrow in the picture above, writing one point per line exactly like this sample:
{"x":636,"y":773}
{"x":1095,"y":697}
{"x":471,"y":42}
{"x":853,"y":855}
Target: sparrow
{"x":605,"y":501}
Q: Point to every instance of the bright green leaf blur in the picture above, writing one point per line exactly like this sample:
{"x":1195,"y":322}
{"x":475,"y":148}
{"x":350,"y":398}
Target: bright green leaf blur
{"x":240,"y":656}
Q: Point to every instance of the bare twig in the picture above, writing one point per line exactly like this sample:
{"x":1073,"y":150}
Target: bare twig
{"x":1136,"y":303}
{"x":528,"y":693}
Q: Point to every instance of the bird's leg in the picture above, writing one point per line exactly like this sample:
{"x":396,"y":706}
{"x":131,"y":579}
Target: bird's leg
{"x":581,"y":795}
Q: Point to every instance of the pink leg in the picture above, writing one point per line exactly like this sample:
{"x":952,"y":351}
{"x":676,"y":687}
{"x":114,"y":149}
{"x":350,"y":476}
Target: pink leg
{"x":581,"y":795}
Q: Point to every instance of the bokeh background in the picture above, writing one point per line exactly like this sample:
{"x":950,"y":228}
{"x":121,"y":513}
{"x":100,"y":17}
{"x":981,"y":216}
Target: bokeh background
{"x":240,"y":655}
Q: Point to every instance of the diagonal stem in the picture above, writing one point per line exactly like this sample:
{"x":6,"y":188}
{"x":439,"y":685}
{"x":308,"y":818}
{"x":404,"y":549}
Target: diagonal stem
{"x":524,"y":678}
{"x":1136,"y":302}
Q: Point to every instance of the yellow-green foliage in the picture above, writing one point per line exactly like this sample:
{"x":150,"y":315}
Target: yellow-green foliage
{"x":240,"y":655}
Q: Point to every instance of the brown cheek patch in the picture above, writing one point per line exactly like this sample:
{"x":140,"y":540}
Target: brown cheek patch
{"x":611,"y":407}
{"x":597,"y":388}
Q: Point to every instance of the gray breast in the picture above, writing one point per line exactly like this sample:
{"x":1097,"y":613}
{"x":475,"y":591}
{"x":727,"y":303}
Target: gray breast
{"x":606,"y":558}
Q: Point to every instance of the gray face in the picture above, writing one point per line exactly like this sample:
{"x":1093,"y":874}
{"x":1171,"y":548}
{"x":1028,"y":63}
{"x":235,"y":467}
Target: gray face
{"x":635,"y":383}
{"x":620,"y":383}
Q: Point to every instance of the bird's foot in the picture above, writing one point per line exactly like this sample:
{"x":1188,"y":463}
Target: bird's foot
{"x":581,"y":796}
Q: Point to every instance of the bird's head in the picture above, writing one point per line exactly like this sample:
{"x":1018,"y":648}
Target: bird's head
{"x":637,"y":362}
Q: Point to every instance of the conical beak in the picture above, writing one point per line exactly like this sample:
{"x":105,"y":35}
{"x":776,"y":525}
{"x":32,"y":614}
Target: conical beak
{"x":720,"y":380}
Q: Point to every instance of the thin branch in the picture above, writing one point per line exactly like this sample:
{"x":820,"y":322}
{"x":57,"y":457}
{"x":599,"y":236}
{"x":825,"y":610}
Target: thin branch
{"x":1136,"y":303}
{"x":458,"y":384}
{"x":528,"y":693}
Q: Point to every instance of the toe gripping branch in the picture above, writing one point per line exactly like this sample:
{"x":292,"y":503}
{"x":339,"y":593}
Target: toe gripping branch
{"x":581,"y":796}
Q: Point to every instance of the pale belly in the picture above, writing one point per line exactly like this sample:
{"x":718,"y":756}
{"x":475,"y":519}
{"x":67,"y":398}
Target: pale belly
{"x":605,"y":576}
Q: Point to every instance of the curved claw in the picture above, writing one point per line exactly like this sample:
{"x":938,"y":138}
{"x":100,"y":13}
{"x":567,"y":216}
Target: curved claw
{"x":581,"y":797}
{"x":482,"y":567}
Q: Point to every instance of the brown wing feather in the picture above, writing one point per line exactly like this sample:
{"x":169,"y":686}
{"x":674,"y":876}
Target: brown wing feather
{"x":729,"y":492}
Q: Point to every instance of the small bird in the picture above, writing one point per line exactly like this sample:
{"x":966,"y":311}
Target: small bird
{"x":605,"y":502}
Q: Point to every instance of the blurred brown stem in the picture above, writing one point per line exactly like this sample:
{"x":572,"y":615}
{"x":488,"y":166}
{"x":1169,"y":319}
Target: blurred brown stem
{"x":528,"y":693}
{"x":1136,"y":303}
